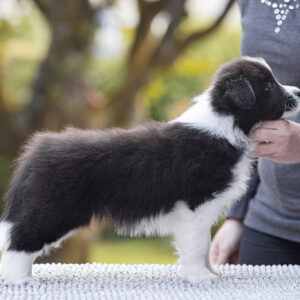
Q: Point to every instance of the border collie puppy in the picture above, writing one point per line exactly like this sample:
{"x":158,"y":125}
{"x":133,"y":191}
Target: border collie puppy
{"x":157,"y":179}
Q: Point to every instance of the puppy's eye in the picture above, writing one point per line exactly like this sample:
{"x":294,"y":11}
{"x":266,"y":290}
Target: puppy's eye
{"x":268,"y":87}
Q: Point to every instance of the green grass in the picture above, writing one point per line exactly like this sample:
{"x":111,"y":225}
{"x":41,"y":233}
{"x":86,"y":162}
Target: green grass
{"x":132,"y":251}
{"x":114,"y":249}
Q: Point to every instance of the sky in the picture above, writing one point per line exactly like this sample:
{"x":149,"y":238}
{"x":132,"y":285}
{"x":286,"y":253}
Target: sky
{"x":206,"y":10}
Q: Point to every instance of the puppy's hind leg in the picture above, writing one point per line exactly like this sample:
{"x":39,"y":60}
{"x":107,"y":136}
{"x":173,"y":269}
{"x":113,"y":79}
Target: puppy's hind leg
{"x":24,"y":243}
{"x":16,"y":266}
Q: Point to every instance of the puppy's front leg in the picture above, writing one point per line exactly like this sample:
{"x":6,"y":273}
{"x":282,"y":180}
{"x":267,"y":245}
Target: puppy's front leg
{"x":192,"y":241}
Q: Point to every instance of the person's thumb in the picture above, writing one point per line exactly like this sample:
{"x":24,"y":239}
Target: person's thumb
{"x":214,"y":252}
{"x":223,"y":257}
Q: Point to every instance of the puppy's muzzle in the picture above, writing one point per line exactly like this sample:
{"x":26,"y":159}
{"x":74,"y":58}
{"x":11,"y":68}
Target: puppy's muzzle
{"x":292,"y":101}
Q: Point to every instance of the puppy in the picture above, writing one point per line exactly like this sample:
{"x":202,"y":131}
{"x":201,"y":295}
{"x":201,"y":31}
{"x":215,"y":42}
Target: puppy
{"x":158,"y":179}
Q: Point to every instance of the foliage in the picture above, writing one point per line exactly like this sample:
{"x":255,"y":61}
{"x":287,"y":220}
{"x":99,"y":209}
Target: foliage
{"x":115,"y":249}
{"x":25,"y":45}
{"x":171,"y":90}
{"x":133,"y":251}
{"x":191,"y":73}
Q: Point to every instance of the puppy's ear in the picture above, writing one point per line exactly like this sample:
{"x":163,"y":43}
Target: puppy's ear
{"x":240,"y":93}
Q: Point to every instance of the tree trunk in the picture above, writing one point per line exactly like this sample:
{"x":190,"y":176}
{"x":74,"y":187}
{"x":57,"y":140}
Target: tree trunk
{"x":58,"y":90}
{"x":169,"y":48}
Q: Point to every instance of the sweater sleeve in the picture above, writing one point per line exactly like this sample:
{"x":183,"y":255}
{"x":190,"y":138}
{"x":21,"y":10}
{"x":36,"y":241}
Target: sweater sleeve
{"x":239,"y":209}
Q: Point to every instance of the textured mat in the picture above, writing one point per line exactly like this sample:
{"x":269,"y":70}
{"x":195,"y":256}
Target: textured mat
{"x":103,"y":281}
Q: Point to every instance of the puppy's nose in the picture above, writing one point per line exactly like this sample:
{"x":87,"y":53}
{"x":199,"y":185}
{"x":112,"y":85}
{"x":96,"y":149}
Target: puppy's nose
{"x":297,"y":93}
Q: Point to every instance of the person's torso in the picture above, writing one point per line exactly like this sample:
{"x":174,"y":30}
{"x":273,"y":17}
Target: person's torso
{"x":271,"y":29}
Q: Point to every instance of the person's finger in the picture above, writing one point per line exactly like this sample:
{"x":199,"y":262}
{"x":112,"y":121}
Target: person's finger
{"x":223,"y":257}
{"x":263,"y":135}
{"x":214,"y":257}
{"x":264,"y":149}
{"x":214,"y":252}
{"x":275,"y":124}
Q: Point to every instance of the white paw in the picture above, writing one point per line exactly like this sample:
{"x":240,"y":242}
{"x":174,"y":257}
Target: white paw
{"x":25,"y":280}
{"x":201,"y":277}
{"x":198,"y":275}
{"x":12,"y":278}
{"x":28,"y":280}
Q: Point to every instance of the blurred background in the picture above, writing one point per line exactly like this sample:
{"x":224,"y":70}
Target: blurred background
{"x":95,"y":64}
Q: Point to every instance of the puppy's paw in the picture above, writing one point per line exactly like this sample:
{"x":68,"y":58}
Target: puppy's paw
{"x":201,"y":278}
{"x":28,"y":280}
{"x":198,"y":275}
{"x":9,"y":279}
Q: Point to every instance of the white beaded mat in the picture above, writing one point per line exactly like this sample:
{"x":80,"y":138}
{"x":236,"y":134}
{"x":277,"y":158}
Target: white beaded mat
{"x":105,"y":281}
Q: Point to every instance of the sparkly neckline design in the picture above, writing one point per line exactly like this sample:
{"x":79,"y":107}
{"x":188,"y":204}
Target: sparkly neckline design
{"x":281,"y":9}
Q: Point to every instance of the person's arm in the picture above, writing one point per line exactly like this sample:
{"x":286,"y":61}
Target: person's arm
{"x":226,"y":243}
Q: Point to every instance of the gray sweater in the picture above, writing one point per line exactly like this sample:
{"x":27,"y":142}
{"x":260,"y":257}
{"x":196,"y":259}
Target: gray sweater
{"x":272,"y":203}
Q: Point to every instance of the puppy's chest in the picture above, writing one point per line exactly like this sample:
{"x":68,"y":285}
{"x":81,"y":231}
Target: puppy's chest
{"x":237,"y":185}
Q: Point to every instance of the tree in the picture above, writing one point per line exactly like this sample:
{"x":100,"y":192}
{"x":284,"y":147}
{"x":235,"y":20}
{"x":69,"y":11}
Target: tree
{"x":162,"y":55}
{"x":58,"y":88}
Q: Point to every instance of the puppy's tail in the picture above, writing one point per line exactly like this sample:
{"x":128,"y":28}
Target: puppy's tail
{"x":5,"y":228}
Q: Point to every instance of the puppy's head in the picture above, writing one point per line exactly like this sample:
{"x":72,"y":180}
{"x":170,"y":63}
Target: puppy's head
{"x":247,"y":89}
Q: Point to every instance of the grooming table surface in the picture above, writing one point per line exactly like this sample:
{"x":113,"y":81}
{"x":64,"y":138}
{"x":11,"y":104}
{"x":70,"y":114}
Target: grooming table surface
{"x":105,"y":281}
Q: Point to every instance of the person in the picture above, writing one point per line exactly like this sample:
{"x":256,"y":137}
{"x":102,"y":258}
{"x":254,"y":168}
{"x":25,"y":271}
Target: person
{"x":264,"y":226}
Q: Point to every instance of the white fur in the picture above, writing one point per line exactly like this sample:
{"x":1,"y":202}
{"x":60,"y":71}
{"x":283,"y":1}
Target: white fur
{"x":48,"y":247}
{"x":5,"y":228}
{"x":292,"y":90}
{"x":16,"y":266}
{"x":202,"y":116}
{"x":161,"y":225}
{"x":192,"y":237}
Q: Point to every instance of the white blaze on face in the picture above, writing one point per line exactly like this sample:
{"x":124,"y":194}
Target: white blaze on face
{"x":293,"y":92}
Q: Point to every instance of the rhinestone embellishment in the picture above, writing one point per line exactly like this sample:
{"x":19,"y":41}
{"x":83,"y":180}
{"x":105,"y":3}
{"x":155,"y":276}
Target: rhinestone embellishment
{"x":281,"y":9}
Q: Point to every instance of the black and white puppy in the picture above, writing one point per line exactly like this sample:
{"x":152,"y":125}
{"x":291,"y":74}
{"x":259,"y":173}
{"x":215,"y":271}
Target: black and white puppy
{"x":157,"y":179}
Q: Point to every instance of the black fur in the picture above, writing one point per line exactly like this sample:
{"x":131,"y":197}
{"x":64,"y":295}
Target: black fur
{"x":63,"y":179}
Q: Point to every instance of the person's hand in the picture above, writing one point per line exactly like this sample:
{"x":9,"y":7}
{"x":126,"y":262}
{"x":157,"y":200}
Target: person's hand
{"x":277,"y":140}
{"x":226,"y":243}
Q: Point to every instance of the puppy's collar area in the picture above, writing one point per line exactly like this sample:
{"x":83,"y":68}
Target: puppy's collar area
{"x":201,"y":115}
